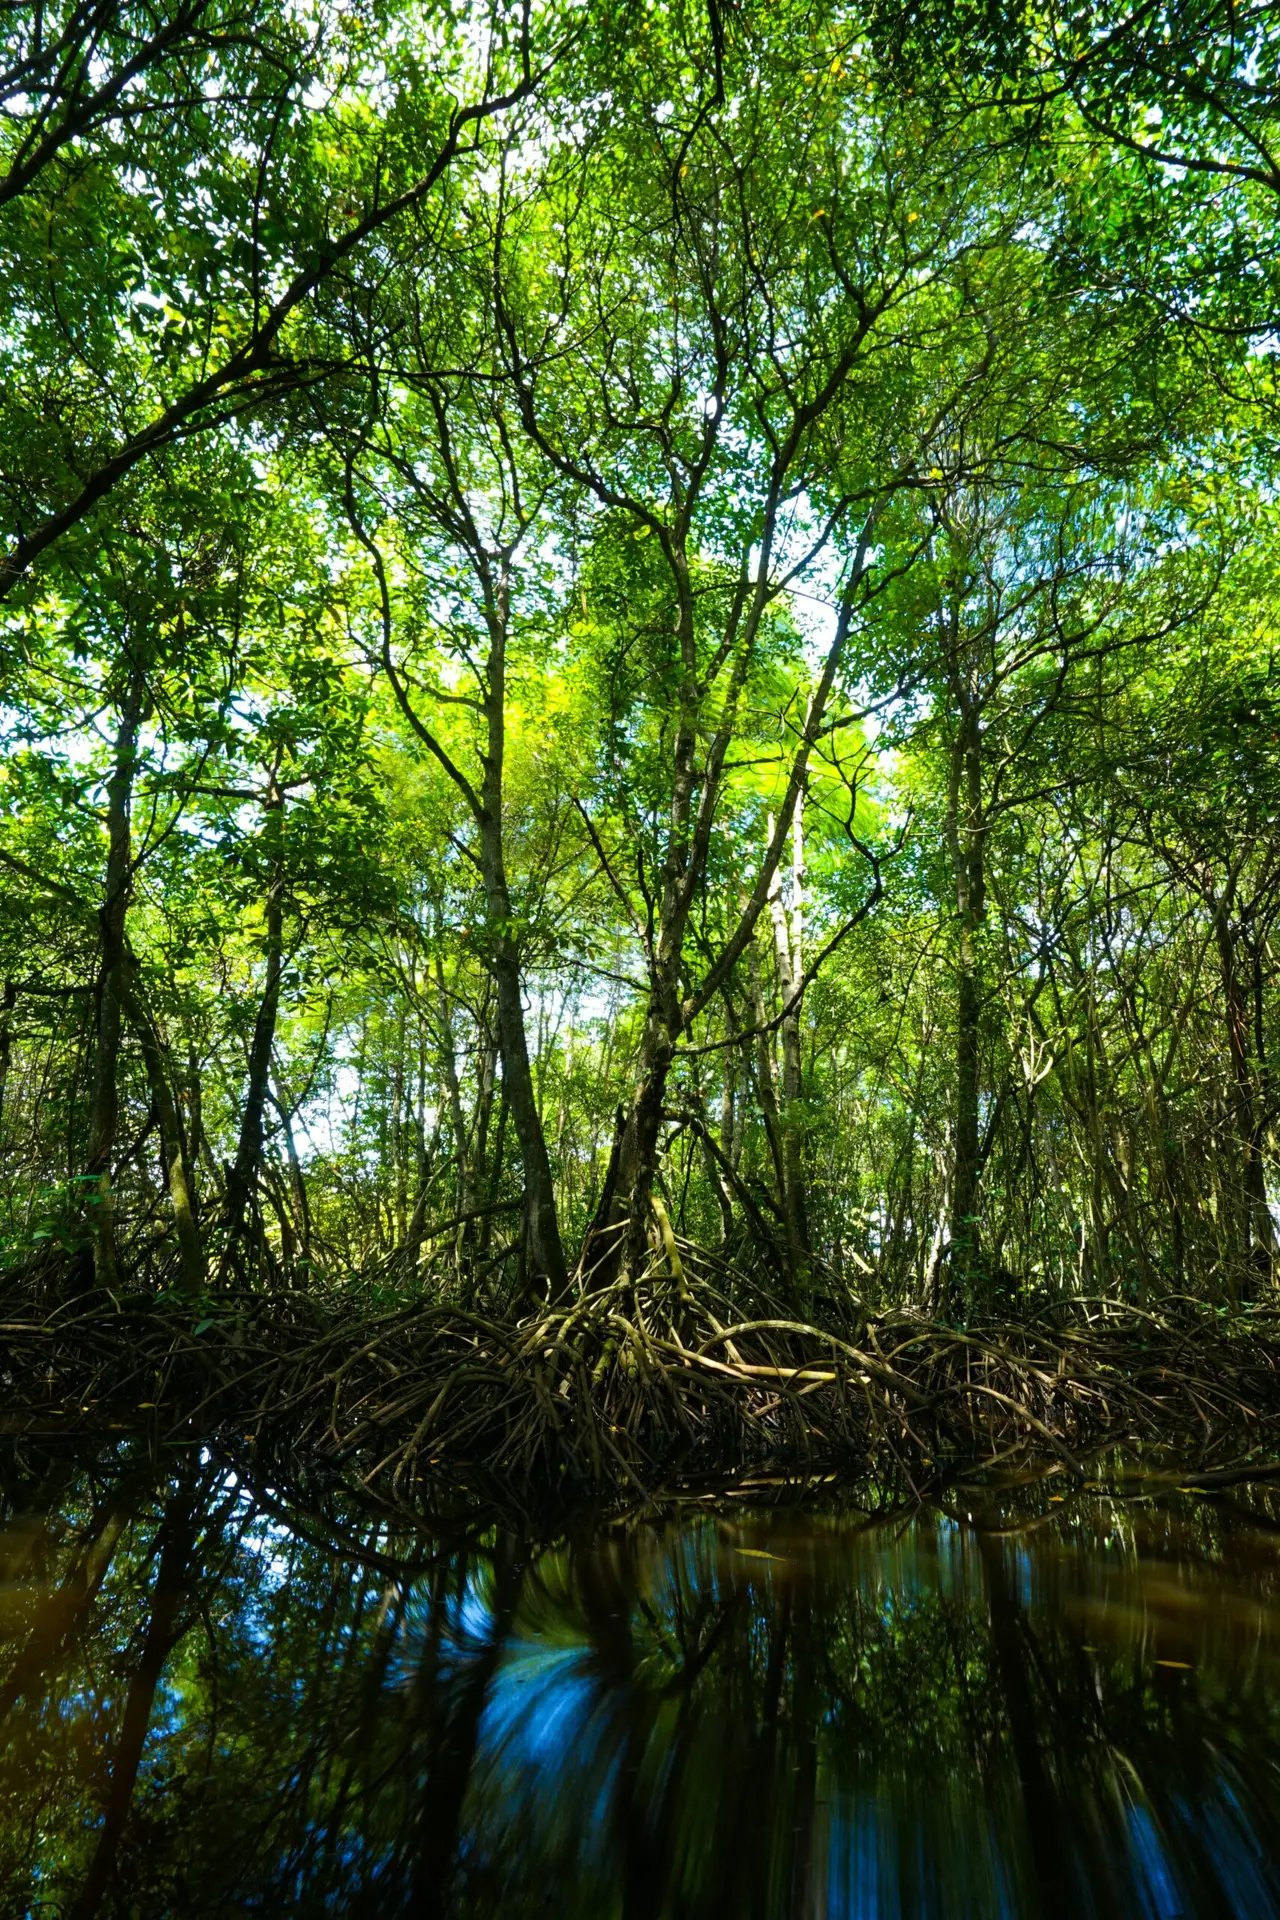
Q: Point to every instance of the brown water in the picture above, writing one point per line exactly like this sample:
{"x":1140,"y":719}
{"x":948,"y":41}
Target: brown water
{"x":1038,"y":1701}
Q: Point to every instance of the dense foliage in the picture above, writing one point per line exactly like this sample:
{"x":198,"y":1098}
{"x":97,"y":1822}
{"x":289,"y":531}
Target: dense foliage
{"x":644,"y":629}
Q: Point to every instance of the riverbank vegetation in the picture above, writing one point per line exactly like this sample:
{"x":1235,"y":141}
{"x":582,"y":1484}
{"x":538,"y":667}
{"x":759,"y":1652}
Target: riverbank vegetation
{"x":642,"y":727}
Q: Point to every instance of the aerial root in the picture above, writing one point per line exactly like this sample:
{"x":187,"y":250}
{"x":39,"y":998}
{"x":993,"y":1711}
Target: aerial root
{"x":639,"y":1384}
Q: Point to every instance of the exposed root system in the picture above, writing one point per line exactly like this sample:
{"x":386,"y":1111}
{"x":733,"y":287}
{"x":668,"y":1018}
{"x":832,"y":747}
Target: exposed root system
{"x":639,"y":1388}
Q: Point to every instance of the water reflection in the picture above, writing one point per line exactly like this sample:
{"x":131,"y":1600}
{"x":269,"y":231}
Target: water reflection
{"x":1048,"y":1706}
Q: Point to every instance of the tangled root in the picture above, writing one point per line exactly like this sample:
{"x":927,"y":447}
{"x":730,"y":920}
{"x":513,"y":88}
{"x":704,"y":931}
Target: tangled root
{"x":639,"y":1386}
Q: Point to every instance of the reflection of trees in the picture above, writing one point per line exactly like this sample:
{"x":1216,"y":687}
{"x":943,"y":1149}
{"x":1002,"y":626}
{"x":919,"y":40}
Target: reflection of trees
{"x":930,"y":1730}
{"x":63,"y":1614}
{"x":207,"y":1713}
{"x":172,"y":1548}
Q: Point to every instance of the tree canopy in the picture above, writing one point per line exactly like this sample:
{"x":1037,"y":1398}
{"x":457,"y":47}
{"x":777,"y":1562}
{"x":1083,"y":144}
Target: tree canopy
{"x":621,"y":633}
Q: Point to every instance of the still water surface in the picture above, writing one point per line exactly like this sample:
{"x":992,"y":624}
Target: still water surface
{"x":1031,"y":1700}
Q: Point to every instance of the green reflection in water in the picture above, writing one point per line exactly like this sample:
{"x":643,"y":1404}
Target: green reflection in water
{"x":1047,"y":1706}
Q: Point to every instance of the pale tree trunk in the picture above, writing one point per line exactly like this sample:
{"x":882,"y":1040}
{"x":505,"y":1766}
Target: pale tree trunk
{"x":730,"y":1144}
{"x":766,"y":1078}
{"x":399,"y":1134}
{"x":1263,"y":1112}
{"x":300,"y":1205}
{"x":730,"y":1139}
{"x":935,"y":1264}
{"x":966,"y":832}
{"x":198,"y":1140}
{"x":544,"y":1255}
{"x":1256,"y":1231}
{"x":243,"y":1180}
{"x":788,"y":933}
{"x":494,"y":1171}
{"x":488,"y":1074}
{"x":1099,"y":1235}
{"x":718,"y":1182}
{"x":457,"y":1119}
{"x":635,"y":1163}
{"x":418,"y":1218}
{"x":105,"y":1103}
{"x":7,"y":1005}
{"x":173,"y":1145}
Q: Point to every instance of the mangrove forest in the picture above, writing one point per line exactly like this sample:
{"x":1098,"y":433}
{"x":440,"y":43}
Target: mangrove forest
{"x":640,"y":807}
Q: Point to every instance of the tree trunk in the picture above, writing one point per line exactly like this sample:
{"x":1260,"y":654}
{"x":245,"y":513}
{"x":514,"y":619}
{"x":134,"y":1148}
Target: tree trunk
{"x":457,"y":1119}
{"x":688,"y":841}
{"x":244,"y":1172}
{"x":7,"y":1005}
{"x":173,"y":1144}
{"x":493,"y":1184}
{"x":197,"y":1138}
{"x":719,"y":1185}
{"x":399,"y":1136}
{"x":301,"y":1206}
{"x":543,"y":1252}
{"x":966,"y":829}
{"x":105,"y":1103}
{"x":788,"y":932}
{"x":1256,"y":1236}
{"x":482,"y":1176}
{"x":730,"y":1133}
{"x":766,"y":1086}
